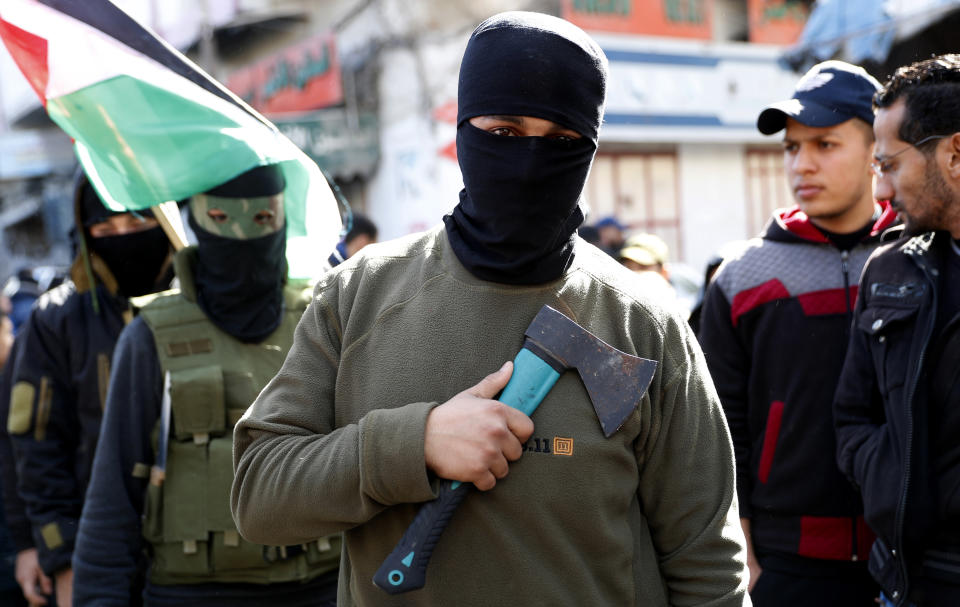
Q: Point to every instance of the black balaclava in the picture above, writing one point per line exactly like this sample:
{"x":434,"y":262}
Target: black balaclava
{"x":136,"y":259}
{"x":241,"y":260}
{"x":519,"y":208}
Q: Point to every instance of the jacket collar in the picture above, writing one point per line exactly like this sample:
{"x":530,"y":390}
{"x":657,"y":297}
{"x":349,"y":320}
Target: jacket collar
{"x":792,"y":224}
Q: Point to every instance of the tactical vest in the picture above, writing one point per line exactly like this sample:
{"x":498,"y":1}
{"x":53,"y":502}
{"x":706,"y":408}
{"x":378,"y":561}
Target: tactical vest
{"x":213,"y":379}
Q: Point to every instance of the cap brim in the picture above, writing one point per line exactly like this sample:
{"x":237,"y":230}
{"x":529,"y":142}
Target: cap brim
{"x":639,"y":255}
{"x":774,"y":117}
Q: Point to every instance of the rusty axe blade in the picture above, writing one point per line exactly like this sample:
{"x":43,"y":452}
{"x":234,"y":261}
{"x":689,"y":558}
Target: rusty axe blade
{"x":615,"y":380}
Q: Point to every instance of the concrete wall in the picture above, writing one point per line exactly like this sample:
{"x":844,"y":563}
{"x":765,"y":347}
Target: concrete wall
{"x":415,"y":184}
{"x":712,"y":199}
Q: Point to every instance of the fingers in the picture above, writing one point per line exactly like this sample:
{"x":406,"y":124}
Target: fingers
{"x":30,"y":593}
{"x":31,"y":578}
{"x":46,"y":584}
{"x":517,"y":430}
{"x":519,"y":424}
{"x":500,"y":467}
{"x":28,"y":586}
{"x":473,"y":438}
{"x":507,"y":448}
{"x":486,"y":482}
{"x":491,"y":385}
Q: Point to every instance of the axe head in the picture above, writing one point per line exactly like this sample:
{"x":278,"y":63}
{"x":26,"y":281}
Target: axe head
{"x":615,"y":380}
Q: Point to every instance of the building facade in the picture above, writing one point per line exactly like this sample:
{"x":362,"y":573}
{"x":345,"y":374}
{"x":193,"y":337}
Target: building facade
{"x":368,"y":89}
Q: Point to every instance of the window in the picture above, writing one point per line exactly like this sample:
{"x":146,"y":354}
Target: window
{"x":642,"y":191}
{"x":766,"y":187}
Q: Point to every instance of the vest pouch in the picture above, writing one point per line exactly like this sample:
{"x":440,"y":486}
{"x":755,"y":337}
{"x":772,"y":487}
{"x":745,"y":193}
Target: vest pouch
{"x":228,"y":551}
{"x":239,"y":393}
{"x":197,"y":398}
{"x":183,"y":549}
{"x":172,"y":564}
{"x":231,"y":553}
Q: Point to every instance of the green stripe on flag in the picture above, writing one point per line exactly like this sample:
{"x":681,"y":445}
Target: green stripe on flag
{"x":150,"y":145}
{"x":141,"y":144}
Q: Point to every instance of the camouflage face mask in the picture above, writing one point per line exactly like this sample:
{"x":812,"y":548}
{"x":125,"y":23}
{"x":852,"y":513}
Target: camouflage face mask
{"x":238,"y":218}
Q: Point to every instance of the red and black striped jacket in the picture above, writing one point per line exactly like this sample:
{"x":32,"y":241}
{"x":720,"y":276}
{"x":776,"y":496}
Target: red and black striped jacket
{"x":775,"y":326}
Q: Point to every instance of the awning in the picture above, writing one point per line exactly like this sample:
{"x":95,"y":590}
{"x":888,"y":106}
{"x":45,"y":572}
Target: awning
{"x":877,"y":35}
{"x":345,"y":146}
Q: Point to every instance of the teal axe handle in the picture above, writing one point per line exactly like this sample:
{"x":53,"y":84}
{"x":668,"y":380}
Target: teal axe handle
{"x":406,"y":567}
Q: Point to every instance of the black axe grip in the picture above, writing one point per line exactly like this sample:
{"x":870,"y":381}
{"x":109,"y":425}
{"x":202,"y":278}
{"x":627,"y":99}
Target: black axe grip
{"x":405,"y":569}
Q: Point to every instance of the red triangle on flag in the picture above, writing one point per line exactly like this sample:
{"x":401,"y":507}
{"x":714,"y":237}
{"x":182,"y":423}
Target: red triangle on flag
{"x":30,"y":53}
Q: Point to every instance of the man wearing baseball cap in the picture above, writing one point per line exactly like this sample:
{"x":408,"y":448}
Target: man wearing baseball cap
{"x":775,"y":327}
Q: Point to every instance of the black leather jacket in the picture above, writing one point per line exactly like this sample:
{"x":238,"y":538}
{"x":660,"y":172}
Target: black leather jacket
{"x":880,"y":408}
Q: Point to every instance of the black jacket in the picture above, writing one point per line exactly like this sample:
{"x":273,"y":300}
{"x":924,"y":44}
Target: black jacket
{"x":59,"y":384}
{"x":14,"y":510}
{"x":60,"y":379}
{"x":14,"y":528}
{"x":774,"y":331}
{"x":880,"y":406}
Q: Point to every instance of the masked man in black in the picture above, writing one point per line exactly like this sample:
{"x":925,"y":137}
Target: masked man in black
{"x":351,"y":434}
{"x":185,"y":371}
{"x":61,"y":371}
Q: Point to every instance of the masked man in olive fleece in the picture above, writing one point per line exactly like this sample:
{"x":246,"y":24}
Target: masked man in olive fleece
{"x":385,"y":389}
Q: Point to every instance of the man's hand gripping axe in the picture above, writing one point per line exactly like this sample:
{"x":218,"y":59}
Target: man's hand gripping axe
{"x":614,"y":380}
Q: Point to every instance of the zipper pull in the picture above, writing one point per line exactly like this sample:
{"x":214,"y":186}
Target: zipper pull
{"x":845,"y":270}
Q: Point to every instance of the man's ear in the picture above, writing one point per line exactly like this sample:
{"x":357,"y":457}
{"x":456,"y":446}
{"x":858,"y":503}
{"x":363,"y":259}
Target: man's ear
{"x":952,"y":158}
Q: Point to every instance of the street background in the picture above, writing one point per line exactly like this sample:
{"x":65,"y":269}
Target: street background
{"x":367,"y":88}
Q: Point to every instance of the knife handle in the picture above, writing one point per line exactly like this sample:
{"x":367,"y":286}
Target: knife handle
{"x":406,"y":567}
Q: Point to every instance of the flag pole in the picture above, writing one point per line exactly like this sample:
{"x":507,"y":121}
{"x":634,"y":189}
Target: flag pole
{"x":168,"y":215}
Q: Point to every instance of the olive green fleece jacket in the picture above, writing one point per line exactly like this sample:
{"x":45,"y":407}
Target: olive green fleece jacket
{"x":335,"y":442}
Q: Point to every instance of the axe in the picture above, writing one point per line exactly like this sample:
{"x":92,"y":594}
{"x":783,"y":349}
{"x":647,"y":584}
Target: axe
{"x":614,"y":380}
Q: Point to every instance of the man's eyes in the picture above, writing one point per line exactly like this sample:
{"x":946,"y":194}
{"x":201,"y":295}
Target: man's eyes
{"x":217,"y":215}
{"x":793,"y":148}
{"x":264,"y":218}
{"x":508,"y":132}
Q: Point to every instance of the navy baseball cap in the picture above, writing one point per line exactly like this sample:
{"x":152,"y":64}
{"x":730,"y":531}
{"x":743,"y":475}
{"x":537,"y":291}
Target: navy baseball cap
{"x":830,"y":93}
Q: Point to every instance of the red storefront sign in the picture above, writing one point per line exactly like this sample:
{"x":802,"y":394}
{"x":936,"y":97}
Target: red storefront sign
{"x":300,"y":78}
{"x":673,"y":18}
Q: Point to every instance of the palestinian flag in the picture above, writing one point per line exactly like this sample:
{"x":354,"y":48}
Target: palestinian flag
{"x":149,"y":126}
